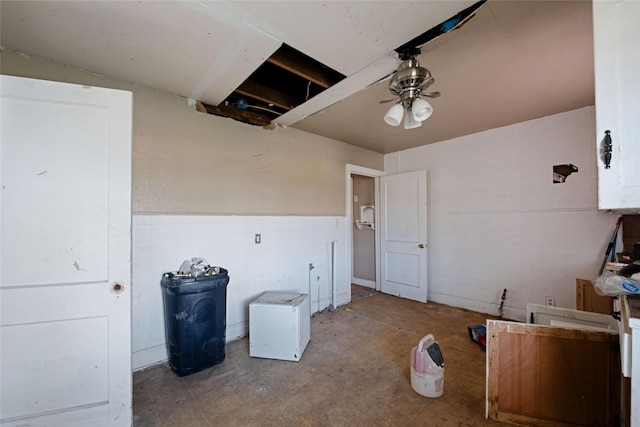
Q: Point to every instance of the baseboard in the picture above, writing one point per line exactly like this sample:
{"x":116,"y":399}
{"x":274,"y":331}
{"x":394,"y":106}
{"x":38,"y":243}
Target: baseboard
{"x":148,"y":357}
{"x":363,"y":282}
{"x":142,"y":359}
{"x":237,"y":330}
{"x":509,"y":313}
{"x":343,"y":298}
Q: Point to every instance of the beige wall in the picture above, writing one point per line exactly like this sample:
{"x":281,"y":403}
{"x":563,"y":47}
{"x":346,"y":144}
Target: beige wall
{"x":185,"y":162}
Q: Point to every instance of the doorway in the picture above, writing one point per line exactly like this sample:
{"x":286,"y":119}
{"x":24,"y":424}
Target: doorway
{"x":362,"y":232}
{"x":401,"y":217}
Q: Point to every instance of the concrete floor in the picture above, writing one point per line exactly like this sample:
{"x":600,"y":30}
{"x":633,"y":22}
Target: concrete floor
{"x":354,"y":372}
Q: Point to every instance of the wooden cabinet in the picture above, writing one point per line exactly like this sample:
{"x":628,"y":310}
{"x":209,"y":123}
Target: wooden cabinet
{"x":563,"y":370}
{"x":588,"y":300}
{"x":617,"y":89}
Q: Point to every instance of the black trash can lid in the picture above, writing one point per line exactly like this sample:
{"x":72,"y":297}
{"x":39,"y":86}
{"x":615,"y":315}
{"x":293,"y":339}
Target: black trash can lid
{"x":174,"y":279}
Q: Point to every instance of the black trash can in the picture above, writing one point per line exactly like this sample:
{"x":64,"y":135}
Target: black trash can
{"x":195,"y":310}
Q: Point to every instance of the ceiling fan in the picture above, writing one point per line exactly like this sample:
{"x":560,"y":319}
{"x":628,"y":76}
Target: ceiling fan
{"x":410,"y":80}
{"x":408,"y":85}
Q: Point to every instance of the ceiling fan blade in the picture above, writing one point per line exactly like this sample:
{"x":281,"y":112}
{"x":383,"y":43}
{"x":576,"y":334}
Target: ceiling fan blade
{"x":388,"y":100}
{"x":432,"y":94}
{"x":428,"y":82}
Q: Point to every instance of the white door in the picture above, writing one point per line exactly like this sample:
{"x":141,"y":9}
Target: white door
{"x":65,"y":261}
{"x":403,"y":235}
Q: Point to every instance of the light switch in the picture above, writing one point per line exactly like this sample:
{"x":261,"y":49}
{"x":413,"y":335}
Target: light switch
{"x":258,"y":239}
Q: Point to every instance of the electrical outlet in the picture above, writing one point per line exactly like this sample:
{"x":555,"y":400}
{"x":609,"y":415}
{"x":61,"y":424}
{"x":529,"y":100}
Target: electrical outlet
{"x":550,"y":301}
{"x":258,"y":238}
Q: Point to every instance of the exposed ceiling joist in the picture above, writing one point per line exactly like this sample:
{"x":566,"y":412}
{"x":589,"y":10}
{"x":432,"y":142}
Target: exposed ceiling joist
{"x":287,"y":78}
{"x":247,"y":116}
{"x":266,"y":94}
{"x":305,"y":67}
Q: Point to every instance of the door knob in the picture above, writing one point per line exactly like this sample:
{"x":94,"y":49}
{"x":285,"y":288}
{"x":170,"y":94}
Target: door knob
{"x":117,"y":288}
{"x":421,"y":246}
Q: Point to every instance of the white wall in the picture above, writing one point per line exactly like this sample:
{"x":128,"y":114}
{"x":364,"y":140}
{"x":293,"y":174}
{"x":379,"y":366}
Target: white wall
{"x":496,"y":220}
{"x":281,"y":262}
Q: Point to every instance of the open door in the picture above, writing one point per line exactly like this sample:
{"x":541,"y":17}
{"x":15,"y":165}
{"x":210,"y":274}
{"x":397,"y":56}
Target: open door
{"x":403,"y":235}
{"x":65,"y":282}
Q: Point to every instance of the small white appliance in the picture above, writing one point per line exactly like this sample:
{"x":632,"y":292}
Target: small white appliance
{"x":279,"y":325}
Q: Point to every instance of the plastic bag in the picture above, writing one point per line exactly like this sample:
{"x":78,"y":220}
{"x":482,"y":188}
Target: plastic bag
{"x":610,"y":284}
{"x":197,"y":267}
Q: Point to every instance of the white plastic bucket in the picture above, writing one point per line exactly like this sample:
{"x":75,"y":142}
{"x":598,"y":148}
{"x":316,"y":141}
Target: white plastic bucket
{"x":427,"y":378}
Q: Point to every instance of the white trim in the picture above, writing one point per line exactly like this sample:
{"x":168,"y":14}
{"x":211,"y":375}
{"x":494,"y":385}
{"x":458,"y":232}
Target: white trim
{"x":363,"y":282}
{"x":376,"y":174}
{"x":148,"y":357}
{"x":334,"y":274}
{"x":237,"y":330}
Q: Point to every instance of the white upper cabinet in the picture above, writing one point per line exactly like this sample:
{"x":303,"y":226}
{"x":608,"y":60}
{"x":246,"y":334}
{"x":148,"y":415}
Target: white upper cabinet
{"x":617,"y":84}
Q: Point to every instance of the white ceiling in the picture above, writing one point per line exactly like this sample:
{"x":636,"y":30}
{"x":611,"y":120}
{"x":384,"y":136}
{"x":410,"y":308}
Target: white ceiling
{"x":514,"y":61}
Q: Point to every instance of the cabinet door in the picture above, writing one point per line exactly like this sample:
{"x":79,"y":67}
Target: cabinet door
{"x":548,"y":376}
{"x":617,"y":89}
{"x":588,"y":300}
{"x":568,"y":318}
{"x":576,"y":319}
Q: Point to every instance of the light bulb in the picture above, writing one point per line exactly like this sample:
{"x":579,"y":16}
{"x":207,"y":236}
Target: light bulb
{"x":421,"y":110}
{"x":409,"y":122}
{"x":394,"y":115}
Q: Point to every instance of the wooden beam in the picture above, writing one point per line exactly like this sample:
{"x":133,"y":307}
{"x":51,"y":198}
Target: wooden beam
{"x":246,"y":116}
{"x":304,"y":67}
{"x":268,"y":95}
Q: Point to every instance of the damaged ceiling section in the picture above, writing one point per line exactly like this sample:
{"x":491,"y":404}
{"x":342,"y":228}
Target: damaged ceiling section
{"x":288,"y":78}
{"x":265,"y":63}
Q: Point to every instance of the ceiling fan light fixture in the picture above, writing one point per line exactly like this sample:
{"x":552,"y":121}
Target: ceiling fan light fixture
{"x":409,"y":84}
{"x":421,"y":110}
{"x":394,"y":115}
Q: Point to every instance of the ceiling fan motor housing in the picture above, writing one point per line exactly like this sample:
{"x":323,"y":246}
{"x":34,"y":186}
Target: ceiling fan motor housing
{"x":409,"y":80}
